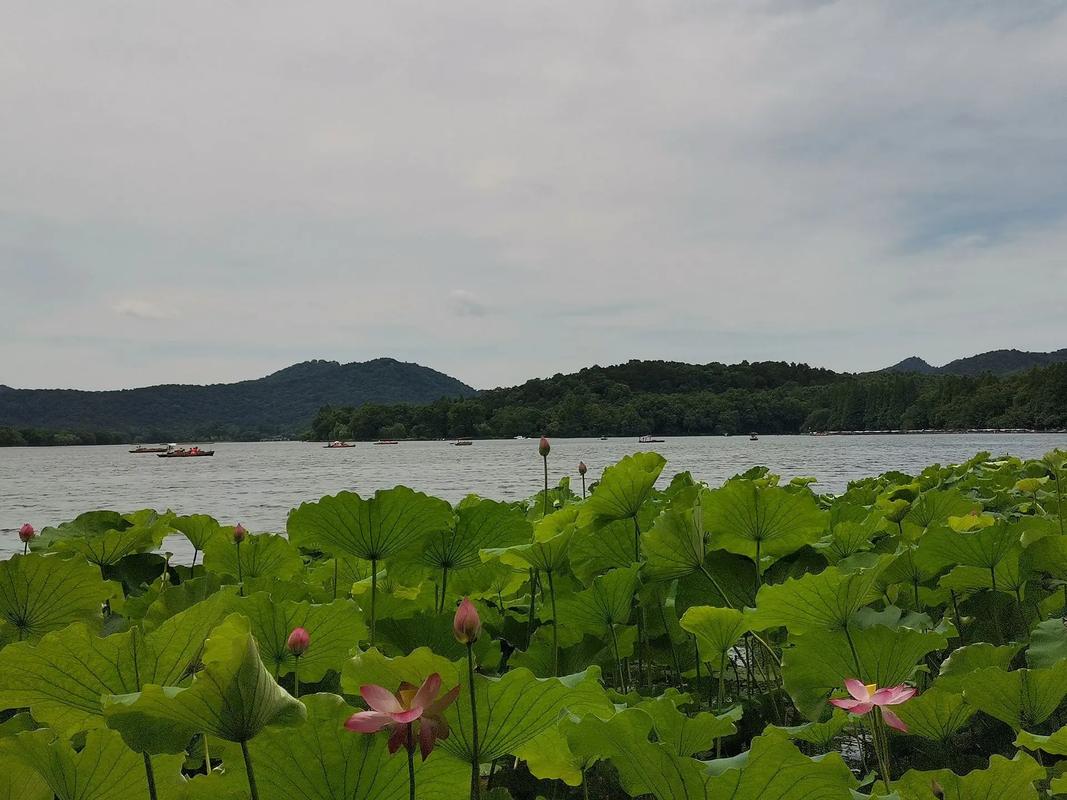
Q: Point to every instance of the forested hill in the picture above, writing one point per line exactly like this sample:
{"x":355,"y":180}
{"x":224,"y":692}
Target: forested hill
{"x":684,"y":399}
{"x":997,"y":362}
{"x":282,"y":403}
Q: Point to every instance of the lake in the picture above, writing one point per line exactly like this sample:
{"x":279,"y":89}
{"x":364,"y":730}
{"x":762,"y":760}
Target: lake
{"x":257,"y":483}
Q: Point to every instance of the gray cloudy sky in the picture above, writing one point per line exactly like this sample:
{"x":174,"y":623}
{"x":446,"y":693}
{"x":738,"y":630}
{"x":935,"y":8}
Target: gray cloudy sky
{"x":204,"y":191}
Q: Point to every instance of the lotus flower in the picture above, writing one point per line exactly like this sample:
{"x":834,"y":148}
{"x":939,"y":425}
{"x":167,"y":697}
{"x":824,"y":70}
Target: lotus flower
{"x":582,"y":468}
{"x":239,"y":532}
{"x":467,"y":625}
{"x":298,"y":641}
{"x":412,"y":709}
{"x":866,"y":697}
{"x":26,"y":532}
{"x":543,"y":447}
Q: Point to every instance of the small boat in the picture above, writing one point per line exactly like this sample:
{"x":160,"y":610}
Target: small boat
{"x":752,"y":437}
{"x":181,"y":452}
{"x":649,"y":439}
{"x":161,"y":448}
{"x":462,"y":443}
{"x":387,"y":441}
{"x":520,"y":437}
{"x":336,"y":445}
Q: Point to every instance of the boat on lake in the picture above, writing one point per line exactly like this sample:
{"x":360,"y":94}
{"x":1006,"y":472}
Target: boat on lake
{"x":387,"y":441}
{"x":159,"y":448}
{"x":462,"y":443}
{"x":186,"y":452}
{"x":752,"y":437}
{"x":336,"y":445}
{"x":649,"y":439}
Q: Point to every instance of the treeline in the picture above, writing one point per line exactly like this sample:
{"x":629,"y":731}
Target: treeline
{"x":683,"y":399}
{"x":36,"y":437}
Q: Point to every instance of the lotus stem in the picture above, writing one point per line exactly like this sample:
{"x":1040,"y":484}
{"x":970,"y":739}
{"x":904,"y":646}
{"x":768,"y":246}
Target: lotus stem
{"x":959,"y":620}
{"x":25,"y":547}
{"x":195,"y":553}
{"x":555,"y":626}
{"x":994,"y":604}
{"x":444,"y":587}
{"x":618,"y":659}
{"x":583,"y":497}
{"x":855,"y":654}
{"x":476,"y":784}
{"x":373,"y":600}
{"x":411,"y":762}
{"x":240,"y":577}
{"x":252,"y":775}
{"x":150,"y":775}
{"x":296,"y":676}
{"x":544,"y":512}
{"x":207,"y":754}
{"x":533,"y":607}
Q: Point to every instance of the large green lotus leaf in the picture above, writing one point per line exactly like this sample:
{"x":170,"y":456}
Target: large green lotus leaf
{"x":965,"y":660}
{"x":335,"y":630}
{"x":173,"y":600}
{"x":819,"y":734}
{"x":981,"y":548}
{"x":606,"y":603}
{"x":600,"y":547}
{"x":574,"y":656}
{"x":373,"y":529}
{"x":775,"y":770}
{"x":261,"y":554}
{"x":967,"y":580}
{"x":716,"y":629}
{"x":1002,"y":780}
{"x":18,"y":779}
{"x":1022,"y":698}
{"x":761,"y":522}
{"x":846,"y":539}
{"x":1048,"y":554}
{"x":105,"y":537}
{"x":372,"y":667}
{"x":199,"y":529}
{"x":725,"y":580}
{"x":624,"y":487}
{"x":912,"y":567}
{"x":234,"y":697}
{"x":820,"y":601}
{"x":687,"y":735}
{"x":517,"y":707}
{"x":104,"y":769}
{"x":820,"y":661}
{"x":936,"y":714}
{"x":1048,"y":644}
{"x":432,"y":630}
{"x":934,"y":507}
{"x":547,"y":554}
{"x":40,"y":593}
{"x":548,"y":756}
{"x":338,"y":574}
{"x":479,"y":525}
{"x":63,"y":677}
{"x":326,"y":762}
{"x":675,"y":545}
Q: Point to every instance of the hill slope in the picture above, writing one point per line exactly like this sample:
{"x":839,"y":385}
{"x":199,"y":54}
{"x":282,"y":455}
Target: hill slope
{"x":997,"y":362}
{"x":282,"y":402}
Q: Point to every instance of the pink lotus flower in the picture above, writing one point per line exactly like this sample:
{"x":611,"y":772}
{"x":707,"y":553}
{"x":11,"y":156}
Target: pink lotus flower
{"x":417,"y":712}
{"x":467,"y":625}
{"x":543,"y":447}
{"x":866,"y":697}
{"x":26,"y":532}
{"x":239,"y":532}
{"x":298,"y":641}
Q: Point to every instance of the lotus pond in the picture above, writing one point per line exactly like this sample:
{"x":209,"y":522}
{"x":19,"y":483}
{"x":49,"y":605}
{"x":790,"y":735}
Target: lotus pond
{"x":906,"y":638}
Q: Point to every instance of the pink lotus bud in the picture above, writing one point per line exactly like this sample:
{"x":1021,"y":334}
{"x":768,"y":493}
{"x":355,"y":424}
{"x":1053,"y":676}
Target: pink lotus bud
{"x":582,"y":468}
{"x":543,"y":447}
{"x":239,"y":532}
{"x":26,"y":532}
{"x":298,"y":641}
{"x":467,"y":625}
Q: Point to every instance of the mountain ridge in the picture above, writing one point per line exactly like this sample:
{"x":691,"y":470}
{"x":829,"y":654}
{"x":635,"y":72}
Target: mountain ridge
{"x":997,"y":362}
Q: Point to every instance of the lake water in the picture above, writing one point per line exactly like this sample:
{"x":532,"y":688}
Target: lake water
{"x":257,"y":483}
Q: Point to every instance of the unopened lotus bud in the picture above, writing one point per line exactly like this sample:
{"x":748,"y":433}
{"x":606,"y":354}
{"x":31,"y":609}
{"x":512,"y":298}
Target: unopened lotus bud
{"x":467,"y":625}
{"x":298,"y":641}
{"x":582,"y":468}
{"x":26,"y":532}
{"x":239,"y":533}
{"x":543,"y":447}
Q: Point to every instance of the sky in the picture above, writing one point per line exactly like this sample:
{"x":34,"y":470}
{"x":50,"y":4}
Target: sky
{"x":211,"y":190}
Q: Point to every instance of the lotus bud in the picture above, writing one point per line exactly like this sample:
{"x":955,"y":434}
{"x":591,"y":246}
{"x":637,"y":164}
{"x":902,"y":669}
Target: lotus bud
{"x":543,"y":447}
{"x":937,"y":790}
{"x":582,"y":468}
{"x":239,"y":532}
{"x":298,"y":641}
{"x":467,"y":625}
{"x":26,"y":532}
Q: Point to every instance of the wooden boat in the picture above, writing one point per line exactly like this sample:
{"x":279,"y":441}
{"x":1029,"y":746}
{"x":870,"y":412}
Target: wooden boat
{"x":752,"y":437}
{"x":462,"y":442}
{"x":387,"y":441}
{"x":181,"y":452}
{"x":337,"y":445}
{"x":649,"y":439}
{"x":162,"y":448}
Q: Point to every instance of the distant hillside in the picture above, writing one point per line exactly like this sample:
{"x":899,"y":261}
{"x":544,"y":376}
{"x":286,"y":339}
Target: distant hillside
{"x":996,"y":362}
{"x":281,"y":403}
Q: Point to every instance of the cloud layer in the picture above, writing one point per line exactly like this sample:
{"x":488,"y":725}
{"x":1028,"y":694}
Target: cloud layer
{"x":209,"y":191}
